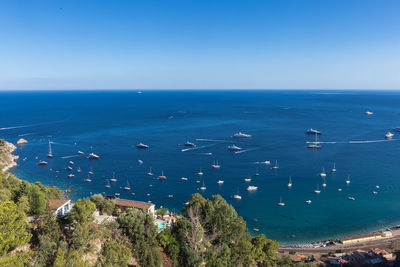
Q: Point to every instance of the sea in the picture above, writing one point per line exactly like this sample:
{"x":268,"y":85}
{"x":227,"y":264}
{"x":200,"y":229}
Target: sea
{"x":111,"y":124}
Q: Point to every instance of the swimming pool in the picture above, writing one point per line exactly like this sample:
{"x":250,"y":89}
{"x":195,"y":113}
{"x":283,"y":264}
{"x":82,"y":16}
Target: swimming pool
{"x":160,"y":226}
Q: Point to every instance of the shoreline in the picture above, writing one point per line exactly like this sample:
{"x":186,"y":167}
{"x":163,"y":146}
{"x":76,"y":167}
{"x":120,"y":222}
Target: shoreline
{"x":10,"y":158}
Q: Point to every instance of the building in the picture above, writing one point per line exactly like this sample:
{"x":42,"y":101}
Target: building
{"x":60,"y":207}
{"x":361,"y":238}
{"x":124,"y":204}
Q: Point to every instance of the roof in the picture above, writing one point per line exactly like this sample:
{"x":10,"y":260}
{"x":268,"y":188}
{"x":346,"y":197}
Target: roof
{"x":133,"y":204}
{"x":361,"y":236}
{"x":56,"y":203}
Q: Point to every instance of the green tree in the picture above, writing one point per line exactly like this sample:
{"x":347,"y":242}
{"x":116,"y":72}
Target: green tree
{"x":37,"y":201}
{"x":114,"y":254}
{"x":45,"y":252}
{"x":59,"y":260}
{"x":168,"y":242}
{"x":75,"y":259}
{"x":265,"y":250}
{"x":162,"y":212}
{"x":102,"y":204}
{"x":13,"y":233}
{"x":82,"y":211}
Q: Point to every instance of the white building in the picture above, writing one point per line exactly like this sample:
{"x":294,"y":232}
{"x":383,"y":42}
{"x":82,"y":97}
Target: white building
{"x":60,"y":207}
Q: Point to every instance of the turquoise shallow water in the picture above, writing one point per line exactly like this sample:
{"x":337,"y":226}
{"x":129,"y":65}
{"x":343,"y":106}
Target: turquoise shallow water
{"x":114,"y":122}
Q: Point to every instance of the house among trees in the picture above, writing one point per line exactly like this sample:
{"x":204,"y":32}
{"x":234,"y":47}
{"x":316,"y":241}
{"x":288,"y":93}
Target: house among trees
{"x":124,"y":204}
{"x":60,"y":207}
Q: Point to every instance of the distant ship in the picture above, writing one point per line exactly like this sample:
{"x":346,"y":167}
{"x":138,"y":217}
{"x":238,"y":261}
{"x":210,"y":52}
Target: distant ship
{"x":234,"y":148}
{"x":215,"y":165}
{"x":142,"y":146}
{"x":184,"y":179}
{"x":79,"y":170}
{"x":50,"y":154}
{"x":241,"y":135}
{"x":317,"y":191}
{"x":313,"y":131}
{"x":368,"y":113}
{"x":315,"y":144}
{"x":88,"y":180}
{"x":42,"y":162}
{"x":189,"y":144}
{"x":162,"y":176}
{"x":71,"y":162}
{"x":334,"y":167}
{"x":276,"y":166}
{"x":93,"y":156}
{"x":252,"y":188}
{"x":308,"y":201}
{"x":203,"y":187}
{"x":71,"y":175}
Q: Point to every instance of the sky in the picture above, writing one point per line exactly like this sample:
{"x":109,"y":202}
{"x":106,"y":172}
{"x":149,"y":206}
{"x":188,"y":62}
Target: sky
{"x":167,"y":44}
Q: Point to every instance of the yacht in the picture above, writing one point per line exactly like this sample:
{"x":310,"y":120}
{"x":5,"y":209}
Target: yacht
{"x":113,"y":179}
{"x":162,"y":176}
{"x":127,"y":187}
{"x":93,"y":156}
{"x":189,"y":144}
{"x":50,"y":154}
{"x":315,"y":144}
{"x":324,"y":183}
{"x":71,"y":162}
{"x":267,"y":162}
{"x":142,"y":146}
{"x":280,"y":203}
{"x":317,"y":191}
{"x":215,"y":165}
{"x":118,"y":194}
{"x":69,"y":168}
{"x":234,"y":148}
{"x":237,"y":197}
{"x":348,"y":179}
{"x":42,"y":162}
{"x":252,"y":188}
{"x":80,"y":152}
{"x":184,"y":179}
{"x":241,"y":135}
{"x":256,"y":173}
{"x":313,"y":131}
{"x":170,"y":196}
{"x":79,"y":170}
{"x":71,"y":175}
{"x":200,"y":173}
{"x":275,"y":167}
{"x":389,"y":135}
{"x":150,"y":173}
{"x":203,"y":187}
{"x":88,"y":180}
{"x":351,"y":198}
{"x":256,"y":229}
{"x":374,"y":192}
{"x":247,"y":179}
{"x":368,"y":113}
{"x":377,"y":187}
{"x":220,"y":182}
{"x":334,"y":167}
{"x":290,"y":182}
{"x":308,"y":201}
{"x":108,"y":185}
{"x":339,"y":189}
{"x":323,"y":173}
{"x":91,"y":171}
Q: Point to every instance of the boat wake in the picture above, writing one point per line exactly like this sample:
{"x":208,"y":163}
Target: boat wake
{"x":213,"y":140}
{"x":25,"y":134}
{"x":355,"y":142}
{"x":196,"y":147}
{"x":246,"y":150}
{"x":72,"y":156}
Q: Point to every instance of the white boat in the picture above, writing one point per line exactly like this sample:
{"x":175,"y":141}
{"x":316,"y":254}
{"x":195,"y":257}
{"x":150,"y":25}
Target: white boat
{"x":197,"y":181}
{"x":374,"y":192}
{"x":184,"y":179}
{"x":142,"y":146}
{"x":324,"y":183}
{"x":377,"y":186}
{"x":241,"y":135}
{"x":256,"y":173}
{"x":127,"y":187}
{"x":162,"y":176}
{"x":237,"y":196}
{"x":220,"y":182}
{"x":93,"y":156}
{"x":368,"y":113}
{"x":317,"y":191}
{"x":313,"y":131}
{"x":203,"y":187}
{"x":280,"y":203}
{"x":215,"y":165}
{"x":389,"y":135}
{"x":79,"y":169}
{"x":247,"y":180}
{"x":150,"y":173}
{"x":334,"y":167}
{"x":189,"y":144}
{"x":308,"y":201}
{"x":69,"y":168}
{"x":42,"y":162}
{"x":80,"y":152}
{"x":71,"y":175}
{"x":252,"y":188}
{"x":140,"y":161}
{"x":113,"y":179}
{"x":170,"y":196}
{"x":50,"y":154}
{"x":323,"y":173}
{"x":91,"y":171}
{"x":351,"y":198}
{"x":88,"y":180}
{"x":71,"y":162}
{"x":348,"y":179}
{"x":290,"y":182}
{"x":276,"y":166}
{"x":315,"y":144}
{"x":234,"y":148}
{"x":118,"y":194}
{"x":108,"y":185}
{"x":200,"y":173}
{"x":339,"y":189}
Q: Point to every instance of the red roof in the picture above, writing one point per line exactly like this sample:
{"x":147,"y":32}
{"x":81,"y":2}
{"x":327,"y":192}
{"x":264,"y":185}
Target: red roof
{"x":133,"y":204}
{"x":56,"y":203}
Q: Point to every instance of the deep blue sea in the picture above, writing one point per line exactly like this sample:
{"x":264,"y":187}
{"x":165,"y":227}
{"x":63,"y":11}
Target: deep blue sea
{"x":113,"y":122}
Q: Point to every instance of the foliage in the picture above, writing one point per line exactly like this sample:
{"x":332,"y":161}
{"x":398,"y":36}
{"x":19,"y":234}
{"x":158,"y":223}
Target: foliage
{"x":36,"y":199}
{"x":74,"y":259}
{"x":264,"y":250}
{"x":103,"y":205}
{"x":83,"y":234}
{"x":82,"y":211}
{"x":114,"y":255}
{"x":59,"y":260}
{"x":162,"y":212}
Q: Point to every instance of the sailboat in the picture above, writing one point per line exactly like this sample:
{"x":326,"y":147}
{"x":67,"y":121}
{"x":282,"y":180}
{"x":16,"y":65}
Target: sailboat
{"x":275,"y":167}
{"x":200,"y":173}
{"x":79,"y":169}
{"x":348,"y":179}
{"x":290,"y":182}
{"x":315,"y":144}
{"x":280,"y":203}
{"x":215,"y":165}
{"x":91,"y":171}
{"x":127,"y":186}
{"x":162,"y":176}
{"x":237,"y":196}
{"x":150,"y":173}
{"x":323,"y":173}
{"x":108,"y":185}
{"x":324,"y":184}
{"x":256,"y":173}
{"x":203,"y":187}
{"x":113,"y":179}
{"x":334,"y":167}
{"x":220,"y":182}
{"x":50,"y":154}
{"x":317,"y":191}
{"x":247,"y":179}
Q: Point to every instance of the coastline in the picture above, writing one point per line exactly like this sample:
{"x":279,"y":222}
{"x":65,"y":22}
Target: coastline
{"x":8,"y":159}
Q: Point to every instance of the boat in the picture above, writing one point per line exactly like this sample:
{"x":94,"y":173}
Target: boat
{"x":117,"y":194}
{"x":200,"y":173}
{"x":71,"y":175}
{"x":280,"y":203}
{"x":80,"y":152}
{"x":351,"y":198}
{"x":324,"y":183}
{"x":71,"y":162}
{"x":348,"y":179}
{"x":189,"y":144}
{"x":170,"y":196}
{"x":252,"y":188}
{"x":237,"y":197}
{"x":256,"y":173}
{"x":215,"y":165}
{"x":267,"y":162}
{"x":42,"y":162}
{"x":339,"y":189}
{"x":334,"y":167}
{"x":50,"y":154}
{"x":290,"y":182}
{"x":247,"y":179}
{"x":150,"y":173}
{"x":256,"y":229}
{"x":374,"y":192}
{"x":140,"y":161}
{"x":234,"y":148}
{"x":323,"y":173}
{"x":203,"y":187}
{"x":93,"y":156}
{"x":317,"y":191}
{"x":79,"y":169}
{"x":108,"y":185}
{"x":313,"y":131}
{"x":88,"y":180}
{"x":241,"y":135}
{"x":377,"y":186}
{"x":275,"y":167}
{"x":220,"y":182}
{"x":162,"y":176}
{"x":308,"y":201}
{"x":368,"y":113}
{"x":69,"y":168}
{"x":389,"y":135}
{"x":315,"y":144}
{"x":127,"y":187}
{"x":184,"y":179}
{"x":142,"y":146}
{"x":197,"y":181}
{"x":113,"y":179}
{"x":91,"y":171}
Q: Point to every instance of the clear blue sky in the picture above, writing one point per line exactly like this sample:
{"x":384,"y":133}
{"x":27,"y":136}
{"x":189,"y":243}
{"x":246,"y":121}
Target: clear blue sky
{"x":144,"y":44}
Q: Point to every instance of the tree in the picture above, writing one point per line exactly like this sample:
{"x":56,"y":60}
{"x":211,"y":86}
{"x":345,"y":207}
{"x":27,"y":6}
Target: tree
{"x":37,"y":201}
{"x":13,"y":233}
{"x":168,"y":242}
{"x":102,"y":204}
{"x":264,"y":250}
{"x":82,"y":211}
{"x":162,"y":212}
{"x":114,"y":254}
{"x":59,"y":260}
{"x":74,"y":259}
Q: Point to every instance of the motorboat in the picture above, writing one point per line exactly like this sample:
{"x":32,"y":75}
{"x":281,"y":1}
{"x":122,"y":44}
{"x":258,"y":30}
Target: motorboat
{"x":374,"y":192}
{"x":247,"y":180}
{"x":93,"y":156}
{"x":88,"y":180}
{"x":237,"y":197}
{"x":308,"y":201}
{"x":215,"y":165}
{"x":313,"y":131}
{"x":71,"y":175}
{"x":117,"y":194}
{"x":42,"y":162}
{"x":351,"y":198}
{"x":252,"y":188}
{"x":69,"y":168}
{"x":142,"y":146}
{"x":368,"y":113}
{"x":234,"y":148}
{"x":220,"y":182}
{"x":170,"y":196}
{"x":184,"y":179}
{"x":127,"y":187}
{"x":162,"y":176}
{"x":80,"y":152}
{"x":189,"y":144}
{"x":340,"y":189}
{"x":389,"y":135}
{"x":241,"y":135}
{"x":71,"y":162}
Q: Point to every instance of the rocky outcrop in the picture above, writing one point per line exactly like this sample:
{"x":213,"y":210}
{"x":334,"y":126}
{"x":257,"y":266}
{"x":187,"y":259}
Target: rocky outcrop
{"x":7,"y":159}
{"x":22,"y":141}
